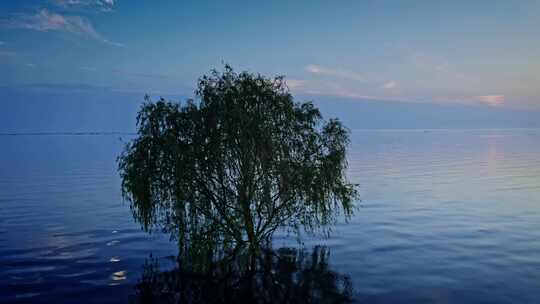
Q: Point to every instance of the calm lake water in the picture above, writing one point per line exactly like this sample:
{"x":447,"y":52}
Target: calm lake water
{"x":447,"y":216}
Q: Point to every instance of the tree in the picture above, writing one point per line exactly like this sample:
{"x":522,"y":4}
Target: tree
{"x":241,"y":162}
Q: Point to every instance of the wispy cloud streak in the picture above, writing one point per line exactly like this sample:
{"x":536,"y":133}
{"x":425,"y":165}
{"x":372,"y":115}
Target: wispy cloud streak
{"x":341,"y":73}
{"x":46,"y":21}
{"x":492,"y":100}
{"x":389,"y":85}
{"x":102,"y":5}
{"x":295,"y":83}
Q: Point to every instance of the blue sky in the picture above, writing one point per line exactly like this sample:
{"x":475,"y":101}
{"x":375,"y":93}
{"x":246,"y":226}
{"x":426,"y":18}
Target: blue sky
{"x":451,"y":52}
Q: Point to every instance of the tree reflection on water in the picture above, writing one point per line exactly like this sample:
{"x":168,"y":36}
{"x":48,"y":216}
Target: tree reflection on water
{"x":286,"y":275}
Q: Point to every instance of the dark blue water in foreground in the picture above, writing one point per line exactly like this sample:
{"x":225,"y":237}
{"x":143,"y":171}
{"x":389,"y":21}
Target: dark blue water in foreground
{"x":448,"y":216}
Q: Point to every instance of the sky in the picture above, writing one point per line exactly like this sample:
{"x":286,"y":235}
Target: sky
{"x":478,"y":53}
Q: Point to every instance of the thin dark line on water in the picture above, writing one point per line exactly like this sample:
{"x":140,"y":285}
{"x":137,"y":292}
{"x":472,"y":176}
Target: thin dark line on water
{"x":65,"y":133}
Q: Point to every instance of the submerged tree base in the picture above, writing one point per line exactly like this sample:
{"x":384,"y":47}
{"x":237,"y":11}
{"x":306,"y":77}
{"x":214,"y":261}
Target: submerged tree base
{"x":286,"y":275}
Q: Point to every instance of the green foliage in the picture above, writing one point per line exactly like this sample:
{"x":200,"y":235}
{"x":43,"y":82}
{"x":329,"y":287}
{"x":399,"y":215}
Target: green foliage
{"x":235,"y":166}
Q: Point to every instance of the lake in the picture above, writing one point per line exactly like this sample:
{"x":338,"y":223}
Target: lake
{"x":447,"y":216}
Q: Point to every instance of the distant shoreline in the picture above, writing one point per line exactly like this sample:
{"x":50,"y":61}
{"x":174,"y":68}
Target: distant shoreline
{"x":97,"y":133}
{"x":63,"y":133}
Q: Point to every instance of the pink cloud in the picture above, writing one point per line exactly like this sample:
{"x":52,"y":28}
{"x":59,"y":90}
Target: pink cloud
{"x":492,"y":100}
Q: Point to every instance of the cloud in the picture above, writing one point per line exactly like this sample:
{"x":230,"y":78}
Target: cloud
{"x":389,"y":85}
{"x":329,"y":88}
{"x":491,"y":100}
{"x":295,"y":83}
{"x":46,"y":21}
{"x":68,"y":3}
{"x":102,"y":5}
{"x":106,"y":5}
{"x":338,"y":93}
{"x":319,"y":70}
{"x":30,"y":65}
{"x":2,"y":43}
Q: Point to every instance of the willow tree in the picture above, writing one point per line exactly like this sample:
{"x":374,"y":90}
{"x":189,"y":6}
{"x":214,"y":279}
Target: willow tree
{"x":238,"y":163}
